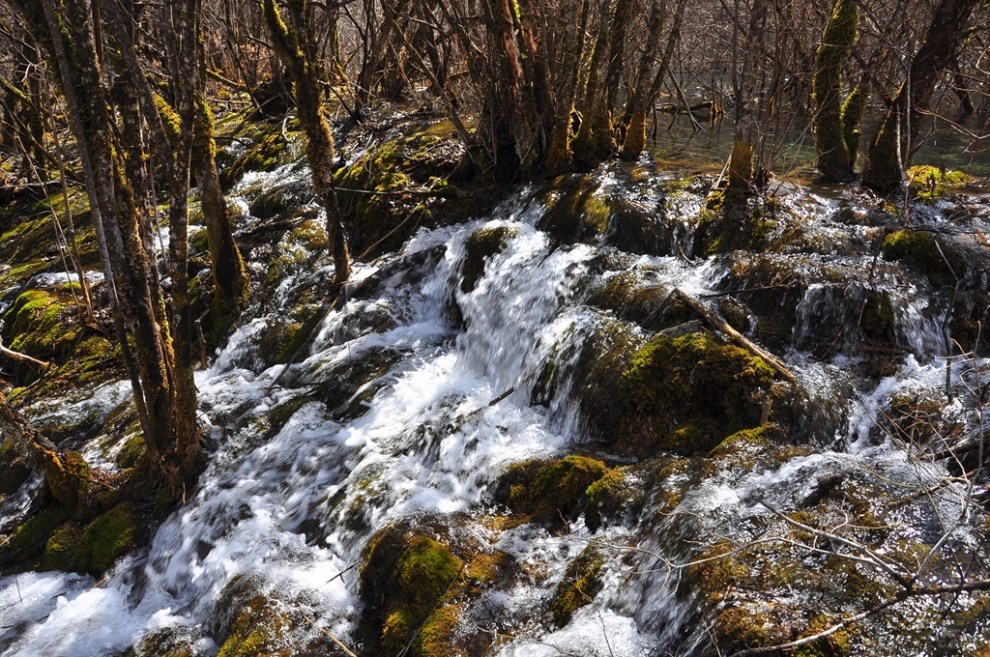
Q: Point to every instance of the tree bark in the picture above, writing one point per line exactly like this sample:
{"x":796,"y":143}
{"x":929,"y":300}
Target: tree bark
{"x":291,"y":47}
{"x":890,"y":152}
{"x":832,"y":134}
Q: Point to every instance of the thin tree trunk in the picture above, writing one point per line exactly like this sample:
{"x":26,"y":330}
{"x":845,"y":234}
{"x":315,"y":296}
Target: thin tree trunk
{"x":291,"y":48}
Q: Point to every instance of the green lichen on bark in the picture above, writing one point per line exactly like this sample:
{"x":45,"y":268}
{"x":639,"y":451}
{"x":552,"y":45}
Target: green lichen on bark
{"x":831,"y":132}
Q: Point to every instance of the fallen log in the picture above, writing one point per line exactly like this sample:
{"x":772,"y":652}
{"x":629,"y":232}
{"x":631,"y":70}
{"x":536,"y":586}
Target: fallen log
{"x":717,"y":322}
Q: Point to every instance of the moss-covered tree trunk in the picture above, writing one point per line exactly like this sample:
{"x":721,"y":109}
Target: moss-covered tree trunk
{"x":116,"y":183}
{"x":890,"y":151}
{"x":835,"y":122}
{"x":230,"y":279}
{"x":292,"y":44}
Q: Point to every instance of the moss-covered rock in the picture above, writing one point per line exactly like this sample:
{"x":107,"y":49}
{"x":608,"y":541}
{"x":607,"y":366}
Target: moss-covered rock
{"x":479,"y":248}
{"x":251,"y":621}
{"x":579,"y":211}
{"x":169,"y":642}
{"x":406,"y":578}
{"x":930,"y":182}
{"x":39,"y":323}
{"x":724,"y":226}
{"x":401,"y":185}
{"x":929,"y":254}
{"x":682,"y":394}
{"x":582,"y":581}
{"x":640,"y":297}
{"x":549,"y":492}
{"x":268,"y":150}
{"x":91,"y":546}
{"x":14,"y":469}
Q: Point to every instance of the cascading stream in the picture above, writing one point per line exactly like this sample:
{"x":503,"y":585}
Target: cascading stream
{"x":293,"y":505}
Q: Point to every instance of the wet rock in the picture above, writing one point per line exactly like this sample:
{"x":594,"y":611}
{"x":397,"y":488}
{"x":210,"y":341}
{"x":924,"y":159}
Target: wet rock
{"x":417,"y":589}
{"x":171,"y":642}
{"x":579,"y":211}
{"x":479,"y":248}
{"x":402,"y":185}
{"x":250,"y":621}
{"x":582,"y":582}
{"x":550,"y":492}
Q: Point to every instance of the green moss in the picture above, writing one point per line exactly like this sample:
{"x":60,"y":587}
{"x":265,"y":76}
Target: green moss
{"x":420,"y":163}
{"x":930,"y":182}
{"x":108,"y":537}
{"x":758,"y":438}
{"x":834,"y":645}
{"x":411,"y":583}
{"x":436,"y":639}
{"x":683,"y":394}
{"x":91,"y":547}
{"x":133,"y":452}
{"x":608,"y":496}
{"x":258,"y":630}
{"x":730,"y":221}
{"x":552,"y":491}
{"x":576,"y":211}
{"x":269,"y":151}
{"x":919,"y":249}
{"x":581,"y":583}
{"x":39,"y":323}
{"x":749,"y":625}
{"x":32,"y":536}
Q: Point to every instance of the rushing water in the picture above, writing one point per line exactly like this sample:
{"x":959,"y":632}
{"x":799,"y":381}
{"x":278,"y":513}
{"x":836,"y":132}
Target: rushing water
{"x":294,"y":506}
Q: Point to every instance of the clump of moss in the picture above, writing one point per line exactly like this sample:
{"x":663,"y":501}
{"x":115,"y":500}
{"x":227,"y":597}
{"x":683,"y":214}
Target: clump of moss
{"x":834,"y":645}
{"x":14,"y":470}
{"x":165,"y":642}
{"x":635,"y":297}
{"x":608,"y":497}
{"x":549,"y":492}
{"x":576,"y":211}
{"x":37,"y":324}
{"x":929,"y":182}
{"x":727,"y":223}
{"x":409,"y":183}
{"x":581,"y":583}
{"x":91,"y":547}
{"x":269,"y":151}
{"x":920,"y":249}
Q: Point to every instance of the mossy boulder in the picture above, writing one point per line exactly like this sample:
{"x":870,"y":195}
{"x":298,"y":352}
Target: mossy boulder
{"x":268,"y":151}
{"x":169,"y":642}
{"x":14,"y":469}
{"x":641,"y":297}
{"x":40,"y":324}
{"x":579,"y":211}
{"x":405,"y":580}
{"x":680,"y":394}
{"x":401,"y":185}
{"x":549,"y":492}
{"x":250,"y":621}
{"x":929,"y":253}
{"x":727,"y":224}
{"x":930,"y":182}
{"x":93,"y":546}
{"x":279,"y":199}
